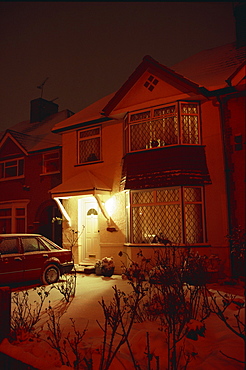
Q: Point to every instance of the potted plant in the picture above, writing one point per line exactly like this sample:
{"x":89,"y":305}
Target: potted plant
{"x":105,"y":267}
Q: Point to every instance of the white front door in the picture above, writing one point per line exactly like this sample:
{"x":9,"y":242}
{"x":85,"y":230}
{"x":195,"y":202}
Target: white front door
{"x":90,"y":242}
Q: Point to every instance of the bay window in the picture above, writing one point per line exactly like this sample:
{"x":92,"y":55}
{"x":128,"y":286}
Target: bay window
{"x":172,"y":124}
{"x":176,"y":212}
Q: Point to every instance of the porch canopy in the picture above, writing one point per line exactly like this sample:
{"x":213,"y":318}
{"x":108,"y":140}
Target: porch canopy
{"x":84,"y":183}
{"x":162,"y":167}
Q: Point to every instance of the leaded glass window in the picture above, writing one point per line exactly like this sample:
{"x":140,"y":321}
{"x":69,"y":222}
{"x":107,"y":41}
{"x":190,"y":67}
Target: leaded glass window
{"x":176,"y":213}
{"x":173,"y":124}
{"x":89,"y":145}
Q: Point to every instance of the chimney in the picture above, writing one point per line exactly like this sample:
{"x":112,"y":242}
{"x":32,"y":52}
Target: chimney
{"x":240,"y":18}
{"x":41,"y":108}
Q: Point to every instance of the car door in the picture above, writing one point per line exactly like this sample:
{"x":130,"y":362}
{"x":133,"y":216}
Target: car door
{"x":11,"y":261}
{"x":35,"y":255}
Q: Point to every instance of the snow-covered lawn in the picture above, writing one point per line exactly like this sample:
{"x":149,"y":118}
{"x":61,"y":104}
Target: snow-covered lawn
{"x":86,"y":310}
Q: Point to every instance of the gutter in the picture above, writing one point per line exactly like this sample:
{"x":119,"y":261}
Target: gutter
{"x":80,"y":125}
{"x":218,"y":92}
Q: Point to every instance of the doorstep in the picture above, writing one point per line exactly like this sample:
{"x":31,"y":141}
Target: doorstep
{"x":85,"y":268}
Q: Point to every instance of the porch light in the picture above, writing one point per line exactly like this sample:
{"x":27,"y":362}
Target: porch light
{"x":110,"y":206}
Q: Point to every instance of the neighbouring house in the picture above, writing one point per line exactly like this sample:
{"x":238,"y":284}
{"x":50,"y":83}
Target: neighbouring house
{"x":163,"y":157}
{"x":30,"y":165}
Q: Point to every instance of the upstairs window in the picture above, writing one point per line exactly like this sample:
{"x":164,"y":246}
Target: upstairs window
{"x":172,"y":124}
{"x":89,"y":145}
{"x":51,"y":162}
{"x":11,"y":169}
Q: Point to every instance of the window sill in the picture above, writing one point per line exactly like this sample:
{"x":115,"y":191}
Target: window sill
{"x":12,"y":178}
{"x":162,"y":147}
{"x":50,"y":173}
{"x":157,"y":245}
{"x":87,"y":163}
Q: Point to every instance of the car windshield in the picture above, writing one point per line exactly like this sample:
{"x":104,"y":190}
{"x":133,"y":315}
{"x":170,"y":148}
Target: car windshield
{"x":50,"y":244}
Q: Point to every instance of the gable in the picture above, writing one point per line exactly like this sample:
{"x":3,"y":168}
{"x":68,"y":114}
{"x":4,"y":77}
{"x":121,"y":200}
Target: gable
{"x":9,"y":147}
{"x":150,"y":88}
{"x":150,"y":81}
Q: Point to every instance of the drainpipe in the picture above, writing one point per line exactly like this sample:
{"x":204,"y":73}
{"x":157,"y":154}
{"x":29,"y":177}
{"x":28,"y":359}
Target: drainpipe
{"x":227,"y":175}
{"x":226,"y":163}
{"x":63,"y":211}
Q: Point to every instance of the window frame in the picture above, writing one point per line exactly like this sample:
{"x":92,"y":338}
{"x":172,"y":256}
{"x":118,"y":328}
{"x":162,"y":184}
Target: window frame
{"x":14,"y":216}
{"x":128,"y":123}
{"x":181,"y":202}
{"x":44,"y":167}
{"x":90,"y":137}
{"x":20,"y":168}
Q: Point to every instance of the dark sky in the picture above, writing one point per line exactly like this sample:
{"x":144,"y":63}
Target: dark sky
{"x":89,"y":49}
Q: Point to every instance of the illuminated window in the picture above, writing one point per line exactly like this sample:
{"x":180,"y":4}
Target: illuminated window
{"x":11,"y":169}
{"x":172,"y":124}
{"x":89,"y":145}
{"x":175,"y":213}
{"x":51,"y":162}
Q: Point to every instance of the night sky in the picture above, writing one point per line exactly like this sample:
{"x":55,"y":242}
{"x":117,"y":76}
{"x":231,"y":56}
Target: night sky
{"x":89,"y":49}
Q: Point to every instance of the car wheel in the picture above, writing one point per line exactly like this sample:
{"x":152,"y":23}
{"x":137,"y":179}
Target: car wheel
{"x":51,"y":274}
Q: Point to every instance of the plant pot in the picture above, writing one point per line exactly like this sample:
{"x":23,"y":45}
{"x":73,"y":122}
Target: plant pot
{"x":107,"y":272}
{"x":98,"y":270}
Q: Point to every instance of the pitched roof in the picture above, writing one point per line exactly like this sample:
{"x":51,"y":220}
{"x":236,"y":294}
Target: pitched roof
{"x":92,"y":113}
{"x":212,"y":67}
{"x":38,"y":136}
{"x":148,"y":63}
{"x":86,"y":182}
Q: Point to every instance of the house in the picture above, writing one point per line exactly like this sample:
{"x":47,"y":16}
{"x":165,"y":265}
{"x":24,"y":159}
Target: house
{"x":30,"y":165}
{"x":161,"y":159}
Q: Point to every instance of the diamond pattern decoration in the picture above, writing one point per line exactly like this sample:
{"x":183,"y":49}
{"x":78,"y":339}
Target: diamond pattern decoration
{"x":142,"y":197}
{"x":154,"y":133}
{"x":192,"y":195}
{"x":165,"y":215}
{"x":151,"y":83}
{"x":89,"y":150}
{"x":87,"y":133}
{"x":168,"y":195}
{"x":161,"y":126}
{"x":189,"y":108}
{"x":151,"y":220}
{"x":190,"y":129}
{"x":193,"y":223}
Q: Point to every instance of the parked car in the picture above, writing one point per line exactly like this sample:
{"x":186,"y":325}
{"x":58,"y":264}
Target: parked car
{"x":26,"y":257}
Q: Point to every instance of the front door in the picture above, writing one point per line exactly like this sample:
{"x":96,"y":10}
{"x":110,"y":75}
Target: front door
{"x":90,"y":244}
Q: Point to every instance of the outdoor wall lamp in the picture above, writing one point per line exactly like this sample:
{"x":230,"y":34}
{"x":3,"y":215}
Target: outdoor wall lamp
{"x":111,"y":229}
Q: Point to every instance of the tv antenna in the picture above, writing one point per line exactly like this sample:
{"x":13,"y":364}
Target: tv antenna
{"x":41,"y":87}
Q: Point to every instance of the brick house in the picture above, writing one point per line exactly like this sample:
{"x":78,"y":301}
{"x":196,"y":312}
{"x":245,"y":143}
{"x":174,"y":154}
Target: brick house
{"x":30,"y":165}
{"x":163,"y":156}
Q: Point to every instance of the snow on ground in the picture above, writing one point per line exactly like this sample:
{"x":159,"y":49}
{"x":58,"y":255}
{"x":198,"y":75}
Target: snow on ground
{"x":85,"y":310}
